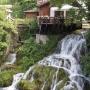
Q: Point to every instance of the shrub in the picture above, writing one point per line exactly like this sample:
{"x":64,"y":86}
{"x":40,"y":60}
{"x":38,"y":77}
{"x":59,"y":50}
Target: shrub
{"x":6,"y":78}
{"x":32,"y":52}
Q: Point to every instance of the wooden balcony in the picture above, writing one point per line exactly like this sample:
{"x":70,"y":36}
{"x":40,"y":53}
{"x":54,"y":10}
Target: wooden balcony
{"x":50,"y":20}
{"x":54,"y":25}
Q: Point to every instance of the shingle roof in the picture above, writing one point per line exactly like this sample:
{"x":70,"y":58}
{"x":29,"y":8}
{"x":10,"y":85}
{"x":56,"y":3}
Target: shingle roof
{"x":31,"y":11}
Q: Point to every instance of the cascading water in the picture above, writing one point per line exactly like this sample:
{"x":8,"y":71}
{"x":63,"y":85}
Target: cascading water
{"x":11,"y":58}
{"x":67,"y":57}
{"x":72,"y":47}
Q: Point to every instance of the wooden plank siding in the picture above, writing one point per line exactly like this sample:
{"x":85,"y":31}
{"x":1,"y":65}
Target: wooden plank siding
{"x":44,"y":9}
{"x":31,"y":14}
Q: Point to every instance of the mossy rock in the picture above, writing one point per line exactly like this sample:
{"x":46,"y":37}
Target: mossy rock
{"x":26,"y":85}
{"x":77,"y":31}
{"x":61,"y":74}
{"x":41,"y":73}
{"x":6,"y":78}
{"x":44,"y":73}
{"x":9,"y":66}
{"x":65,"y":80}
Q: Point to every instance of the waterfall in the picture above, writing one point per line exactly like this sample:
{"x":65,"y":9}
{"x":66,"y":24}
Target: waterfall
{"x":27,"y":72}
{"x":72,"y":47}
{"x":67,"y":57}
{"x":11,"y":58}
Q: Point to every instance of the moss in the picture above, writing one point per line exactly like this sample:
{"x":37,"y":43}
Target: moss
{"x":41,"y":73}
{"x":65,"y":80}
{"x":6,"y":78}
{"x":61,"y":74}
{"x":26,"y":85}
{"x":77,"y":31}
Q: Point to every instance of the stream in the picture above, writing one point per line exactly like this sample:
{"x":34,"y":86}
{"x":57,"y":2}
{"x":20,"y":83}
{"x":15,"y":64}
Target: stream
{"x":67,"y":57}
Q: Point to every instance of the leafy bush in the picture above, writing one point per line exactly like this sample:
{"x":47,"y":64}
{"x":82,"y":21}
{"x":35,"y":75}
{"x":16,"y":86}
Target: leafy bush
{"x":6,"y":28}
{"x":30,"y":27}
{"x":87,"y":36}
{"x":33,"y":25}
{"x":86,"y":58}
{"x":86,"y":63}
{"x":6,"y":78}
{"x":32,"y":52}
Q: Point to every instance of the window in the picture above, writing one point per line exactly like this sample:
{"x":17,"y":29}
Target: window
{"x":59,"y":13}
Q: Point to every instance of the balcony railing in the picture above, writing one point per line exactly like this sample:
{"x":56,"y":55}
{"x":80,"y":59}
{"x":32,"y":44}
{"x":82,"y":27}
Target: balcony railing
{"x":50,"y":20}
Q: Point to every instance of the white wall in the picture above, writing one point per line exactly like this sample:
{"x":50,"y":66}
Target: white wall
{"x":52,"y":11}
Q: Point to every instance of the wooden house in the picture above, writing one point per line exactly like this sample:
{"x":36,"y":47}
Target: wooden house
{"x":31,"y":13}
{"x":51,"y":18}
{"x":44,"y":9}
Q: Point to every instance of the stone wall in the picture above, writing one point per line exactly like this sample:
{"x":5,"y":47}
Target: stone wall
{"x":42,"y":38}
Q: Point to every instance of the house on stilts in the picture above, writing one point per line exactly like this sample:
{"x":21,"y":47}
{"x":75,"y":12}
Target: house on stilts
{"x":51,"y":18}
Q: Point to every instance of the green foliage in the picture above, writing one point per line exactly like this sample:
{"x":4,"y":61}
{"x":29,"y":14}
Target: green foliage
{"x":6,"y":78}
{"x":26,"y":85}
{"x":32,"y":52}
{"x":33,"y":25}
{"x":30,"y":27}
{"x":6,"y":28}
{"x":25,"y":34}
{"x":86,"y":63}
{"x":60,"y":2}
{"x":87,"y":36}
{"x":20,"y":6}
{"x":74,"y":17}
{"x":86,"y":58}
{"x":76,"y":14}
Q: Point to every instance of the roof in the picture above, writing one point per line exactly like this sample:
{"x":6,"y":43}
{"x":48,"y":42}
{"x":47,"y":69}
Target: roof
{"x":31,"y":11}
{"x":43,"y":3}
{"x":64,"y":7}
{"x":67,"y":7}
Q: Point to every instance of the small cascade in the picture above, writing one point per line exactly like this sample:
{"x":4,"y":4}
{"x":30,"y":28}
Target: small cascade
{"x":54,"y":80}
{"x":32,"y":77}
{"x":27,"y":72}
{"x":45,"y":82}
{"x":11,"y":58}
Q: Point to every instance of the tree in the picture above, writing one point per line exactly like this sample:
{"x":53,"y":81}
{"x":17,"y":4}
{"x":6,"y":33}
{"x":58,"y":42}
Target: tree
{"x":82,"y":11}
{"x":6,"y":28}
{"x":19,"y":6}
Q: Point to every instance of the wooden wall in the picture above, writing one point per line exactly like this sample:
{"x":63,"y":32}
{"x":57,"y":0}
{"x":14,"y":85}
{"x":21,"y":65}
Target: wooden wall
{"x":44,"y":10}
{"x":31,"y":14}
